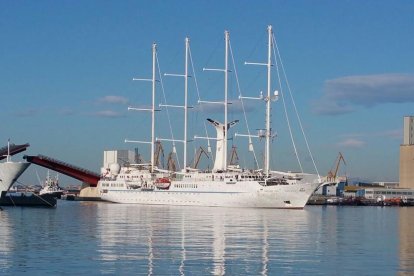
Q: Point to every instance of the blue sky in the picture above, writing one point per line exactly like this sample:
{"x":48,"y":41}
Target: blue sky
{"x":66,"y":70}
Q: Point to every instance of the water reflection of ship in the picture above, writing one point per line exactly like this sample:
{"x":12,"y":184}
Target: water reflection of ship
{"x":6,"y":241}
{"x":175,"y":240}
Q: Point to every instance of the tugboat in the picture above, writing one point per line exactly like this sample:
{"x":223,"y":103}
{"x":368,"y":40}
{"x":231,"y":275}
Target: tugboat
{"x":51,"y":186}
{"x":24,"y":199}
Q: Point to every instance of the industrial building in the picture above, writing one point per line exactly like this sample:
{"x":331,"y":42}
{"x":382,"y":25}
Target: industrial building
{"x":122,"y":157}
{"x":407,"y":154}
{"x":375,"y":192}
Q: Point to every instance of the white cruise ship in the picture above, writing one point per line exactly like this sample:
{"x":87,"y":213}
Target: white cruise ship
{"x":224,"y":185}
{"x":10,"y":172}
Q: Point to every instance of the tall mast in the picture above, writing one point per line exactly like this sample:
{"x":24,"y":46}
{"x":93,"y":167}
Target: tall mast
{"x":185,"y":106}
{"x":268,"y":99}
{"x":154,"y":53}
{"x":221,"y":149}
{"x":152,"y":109}
{"x":187,"y":41}
{"x":226,"y":71}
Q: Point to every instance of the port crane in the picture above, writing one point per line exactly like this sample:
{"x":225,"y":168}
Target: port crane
{"x":198,"y":154}
{"x":171,"y":166}
{"x":234,"y":159}
{"x":159,"y":152}
{"x":159,"y":158}
{"x":333,"y":174}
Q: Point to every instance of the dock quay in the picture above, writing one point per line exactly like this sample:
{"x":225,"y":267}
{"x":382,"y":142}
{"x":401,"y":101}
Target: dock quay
{"x":360,"y":201}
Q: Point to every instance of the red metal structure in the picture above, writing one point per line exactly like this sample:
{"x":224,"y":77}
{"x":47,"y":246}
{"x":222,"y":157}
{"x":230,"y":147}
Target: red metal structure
{"x":81,"y":174}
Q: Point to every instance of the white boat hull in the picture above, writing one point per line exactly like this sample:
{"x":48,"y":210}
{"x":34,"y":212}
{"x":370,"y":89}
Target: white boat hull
{"x":294,"y":196}
{"x":9,"y":173}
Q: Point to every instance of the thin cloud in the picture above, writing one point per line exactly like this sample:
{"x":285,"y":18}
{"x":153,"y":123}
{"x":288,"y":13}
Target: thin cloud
{"x":351,"y":143}
{"x":341,"y":95}
{"x":66,"y":112}
{"x":27,"y":113}
{"x":113,"y":100}
{"x":393,"y":134}
{"x":108,"y":114}
{"x":326,"y":107}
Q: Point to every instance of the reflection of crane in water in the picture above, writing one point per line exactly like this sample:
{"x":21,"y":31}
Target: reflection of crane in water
{"x":333,"y":174}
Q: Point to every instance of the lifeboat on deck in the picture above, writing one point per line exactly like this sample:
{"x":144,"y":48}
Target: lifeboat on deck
{"x":163,"y":183}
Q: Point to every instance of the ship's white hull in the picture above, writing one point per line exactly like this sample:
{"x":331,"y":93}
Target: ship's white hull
{"x":294,"y":196}
{"x":9,"y":173}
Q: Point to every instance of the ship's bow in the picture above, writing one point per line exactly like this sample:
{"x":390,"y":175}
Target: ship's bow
{"x":9,"y":173}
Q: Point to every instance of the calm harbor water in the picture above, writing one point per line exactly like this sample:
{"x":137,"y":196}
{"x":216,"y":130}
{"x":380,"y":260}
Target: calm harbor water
{"x":103,"y":238}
